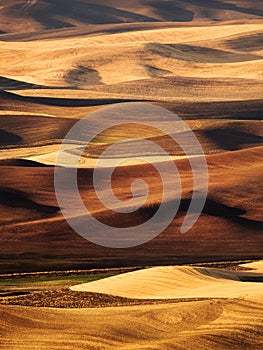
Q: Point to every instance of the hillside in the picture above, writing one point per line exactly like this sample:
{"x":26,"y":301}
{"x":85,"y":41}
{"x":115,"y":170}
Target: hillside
{"x":36,"y":15}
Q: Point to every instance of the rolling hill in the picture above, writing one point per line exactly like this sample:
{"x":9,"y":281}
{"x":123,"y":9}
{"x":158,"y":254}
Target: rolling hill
{"x":36,"y":15}
{"x":62,"y":60}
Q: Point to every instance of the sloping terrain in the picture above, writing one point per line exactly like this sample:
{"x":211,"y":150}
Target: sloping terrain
{"x":210,"y":324}
{"x":207,"y":69}
{"x":62,"y":60}
{"x":29,"y":15}
{"x":228,"y":314}
{"x":230,"y":227}
{"x":178,"y":282}
{"x":192,"y":58}
{"x":193,"y":71}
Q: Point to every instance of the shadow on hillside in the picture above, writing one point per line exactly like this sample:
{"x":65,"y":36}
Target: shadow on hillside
{"x":170,"y":11}
{"x":246,"y":43}
{"x":18,"y":199}
{"x":233,"y":140}
{"x":209,"y":55}
{"x":220,"y":5}
{"x":91,"y":13}
{"x":13,"y":84}
{"x":9,"y":138}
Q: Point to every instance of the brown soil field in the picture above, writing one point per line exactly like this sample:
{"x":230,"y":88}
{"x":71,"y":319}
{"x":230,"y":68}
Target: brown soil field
{"x":204,"y":75}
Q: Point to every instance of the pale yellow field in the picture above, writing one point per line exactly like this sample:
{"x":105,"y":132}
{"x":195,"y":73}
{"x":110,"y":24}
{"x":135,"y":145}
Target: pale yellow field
{"x":228,"y":315}
{"x":170,"y":282}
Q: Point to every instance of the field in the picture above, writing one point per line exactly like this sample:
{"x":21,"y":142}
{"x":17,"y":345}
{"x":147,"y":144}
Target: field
{"x":63,"y":60}
{"x":155,"y":308}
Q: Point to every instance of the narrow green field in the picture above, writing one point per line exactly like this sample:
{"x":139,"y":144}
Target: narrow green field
{"x":53,"y":280}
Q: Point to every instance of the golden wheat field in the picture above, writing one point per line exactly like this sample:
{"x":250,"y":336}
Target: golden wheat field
{"x":173,"y":69}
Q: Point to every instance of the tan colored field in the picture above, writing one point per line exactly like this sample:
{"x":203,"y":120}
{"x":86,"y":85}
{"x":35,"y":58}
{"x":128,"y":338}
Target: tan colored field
{"x":207,"y":324}
{"x":210,"y":324}
{"x":61,"y":61}
{"x":178,"y":282}
{"x":228,"y":315}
